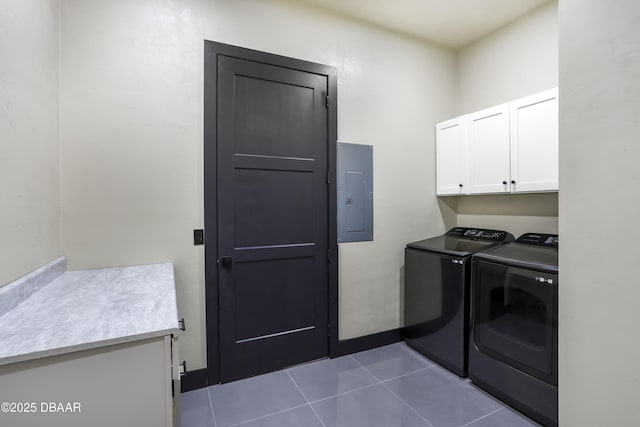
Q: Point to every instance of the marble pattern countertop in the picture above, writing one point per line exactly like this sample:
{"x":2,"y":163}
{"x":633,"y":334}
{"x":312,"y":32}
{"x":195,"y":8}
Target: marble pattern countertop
{"x":79,"y":310}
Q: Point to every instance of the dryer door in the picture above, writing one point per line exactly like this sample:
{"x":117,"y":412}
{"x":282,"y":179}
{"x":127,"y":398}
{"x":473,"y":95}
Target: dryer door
{"x":515,"y":318}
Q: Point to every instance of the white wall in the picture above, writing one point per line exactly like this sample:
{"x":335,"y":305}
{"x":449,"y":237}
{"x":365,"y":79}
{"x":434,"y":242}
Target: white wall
{"x":599,"y":206}
{"x":515,"y":61}
{"x":518,"y":213}
{"x":29,"y":140}
{"x":132,"y":150}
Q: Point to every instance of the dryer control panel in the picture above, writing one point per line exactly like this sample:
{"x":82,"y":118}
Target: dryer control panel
{"x":548,"y":240}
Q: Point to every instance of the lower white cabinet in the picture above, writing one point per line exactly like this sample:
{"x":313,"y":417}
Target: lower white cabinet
{"x":129,"y":384}
{"x":509,"y":148}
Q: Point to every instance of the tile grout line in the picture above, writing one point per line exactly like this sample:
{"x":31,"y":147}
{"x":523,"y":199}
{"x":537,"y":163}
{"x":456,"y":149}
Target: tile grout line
{"x":399,"y":398}
{"x":305,"y":398}
{"x":215,"y":424}
{"x":484,"y":416}
{"x":317,"y":416}
{"x":344,"y":392}
{"x":296,"y":384}
{"x":268,"y":415}
{"x":408,"y":406}
{"x":407,"y":374}
{"x":367,"y":370}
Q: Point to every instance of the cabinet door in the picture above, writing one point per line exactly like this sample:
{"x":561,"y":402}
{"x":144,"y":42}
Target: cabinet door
{"x":451,"y":157}
{"x":489,"y":170}
{"x":534,"y":142}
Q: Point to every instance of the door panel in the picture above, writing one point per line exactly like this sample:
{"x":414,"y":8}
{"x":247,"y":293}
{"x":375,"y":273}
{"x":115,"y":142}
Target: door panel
{"x":534,"y":143}
{"x":279,"y":199}
{"x":515,"y":318}
{"x":272,"y":217}
{"x":279,"y":299}
{"x":260,"y":127}
{"x":355,"y":189}
{"x":436,"y":307}
{"x":489,"y":159}
{"x":451,"y":156}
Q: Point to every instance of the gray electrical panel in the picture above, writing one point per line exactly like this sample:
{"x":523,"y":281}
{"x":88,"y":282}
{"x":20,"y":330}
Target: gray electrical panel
{"x":355,"y":192}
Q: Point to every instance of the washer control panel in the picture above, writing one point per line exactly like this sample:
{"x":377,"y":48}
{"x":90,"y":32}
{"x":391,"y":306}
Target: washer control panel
{"x":478,"y":234}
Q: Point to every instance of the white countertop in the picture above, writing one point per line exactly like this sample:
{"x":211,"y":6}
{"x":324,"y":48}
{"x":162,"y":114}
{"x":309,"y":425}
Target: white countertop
{"x":79,"y":310}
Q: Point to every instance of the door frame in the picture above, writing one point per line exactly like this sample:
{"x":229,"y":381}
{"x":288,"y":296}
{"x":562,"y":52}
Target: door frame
{"x":211,"y":52}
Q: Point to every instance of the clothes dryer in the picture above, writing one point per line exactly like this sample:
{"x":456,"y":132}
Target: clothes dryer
{"x":513,"y":352}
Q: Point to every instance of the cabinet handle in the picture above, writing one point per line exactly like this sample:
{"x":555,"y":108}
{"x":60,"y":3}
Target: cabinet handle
{"x":460,"y":185}
{"x":504,"y":182}
{"x":513,"y":182}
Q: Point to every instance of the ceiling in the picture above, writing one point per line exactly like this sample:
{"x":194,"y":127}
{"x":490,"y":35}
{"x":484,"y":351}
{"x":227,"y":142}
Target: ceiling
{"x":451,"y":23}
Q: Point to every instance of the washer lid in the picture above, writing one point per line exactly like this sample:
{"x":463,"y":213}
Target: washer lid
{"x":534,"y":257}
{"x":462,"y":242}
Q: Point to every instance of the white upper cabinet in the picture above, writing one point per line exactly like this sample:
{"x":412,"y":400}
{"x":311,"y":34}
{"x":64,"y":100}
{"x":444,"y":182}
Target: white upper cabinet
{"x":534,"y":142}
{"x":451,"y":157}
{"x":489,"y":170}
{"x":509,"y":148}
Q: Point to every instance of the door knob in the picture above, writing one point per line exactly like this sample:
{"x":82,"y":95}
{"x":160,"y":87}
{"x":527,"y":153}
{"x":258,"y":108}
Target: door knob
{"x":227,"y":261}
{"x":504,"y":182}
{"x":460,"y":185}
{"x":513,"y":182}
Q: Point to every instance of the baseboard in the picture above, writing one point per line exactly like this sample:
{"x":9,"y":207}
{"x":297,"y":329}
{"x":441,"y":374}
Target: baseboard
{"x":367,"y":342}
{"x":198,"y":378}
{"x":193,"y":380}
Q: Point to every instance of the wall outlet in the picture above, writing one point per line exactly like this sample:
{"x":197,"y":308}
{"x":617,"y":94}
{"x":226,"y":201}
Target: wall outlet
{"x":198,"y":237}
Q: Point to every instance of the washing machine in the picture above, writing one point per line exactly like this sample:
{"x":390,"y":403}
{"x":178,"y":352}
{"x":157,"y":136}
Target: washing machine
{"x":437,"y":276}
{"x":513,"y":352}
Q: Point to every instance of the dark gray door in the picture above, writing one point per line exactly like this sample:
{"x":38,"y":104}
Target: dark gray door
{"x":272,"y":217}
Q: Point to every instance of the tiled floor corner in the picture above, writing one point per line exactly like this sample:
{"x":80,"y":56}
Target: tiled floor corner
{"x":385,"y":387}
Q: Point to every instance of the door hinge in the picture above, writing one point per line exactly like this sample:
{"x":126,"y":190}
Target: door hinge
{"x":328,"y":177}
{"x":328,"y":255}
{"x":326,"y":102}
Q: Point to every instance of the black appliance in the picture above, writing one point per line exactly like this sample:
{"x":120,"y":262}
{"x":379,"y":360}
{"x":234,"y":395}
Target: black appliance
{"x":514,"y":341}
{"x":436,"y":293}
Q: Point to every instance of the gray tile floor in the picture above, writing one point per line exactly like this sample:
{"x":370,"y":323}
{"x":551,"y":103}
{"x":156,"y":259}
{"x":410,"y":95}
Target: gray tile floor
{"x":390,"y":386}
